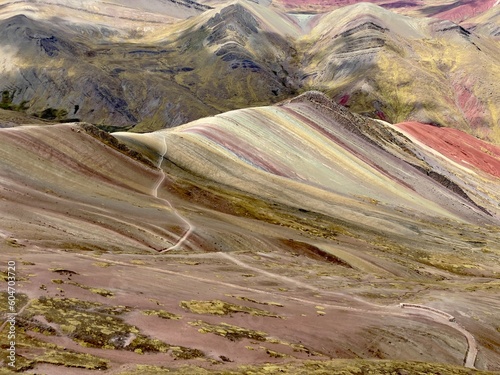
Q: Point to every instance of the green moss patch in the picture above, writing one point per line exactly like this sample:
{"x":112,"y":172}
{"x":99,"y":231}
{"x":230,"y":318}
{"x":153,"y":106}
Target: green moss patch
{"x":274,"y":354}
{"x":72,"y":359}
{"x":69,"y":274}
{"x":162,"y":314}
{"x":99,"y":291}
{"x":94,"y":325}
{"x":242,"y":298}
{"x":102,"y":264}
{"x":33,"y":325}
{"x":21,"y":300}
{"x":13,"y":242}
{"x":217,"y":307}
{"x":114,"y":310}
{"x":4,"y":275}
{"x":6,"y":102}
{"x":233,"y":333}
{"x":36,"y":351}
{"x":52,"y":114}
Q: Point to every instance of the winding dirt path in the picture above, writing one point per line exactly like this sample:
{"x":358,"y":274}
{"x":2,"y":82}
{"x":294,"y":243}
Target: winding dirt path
{"x":154,"y":193}
{"x":449,"y":320}
{"x":288,"y":280}
{"x":437,"y":316}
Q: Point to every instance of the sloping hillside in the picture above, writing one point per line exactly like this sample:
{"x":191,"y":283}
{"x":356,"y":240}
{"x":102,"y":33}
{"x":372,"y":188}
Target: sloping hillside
{"x":241,"y":239}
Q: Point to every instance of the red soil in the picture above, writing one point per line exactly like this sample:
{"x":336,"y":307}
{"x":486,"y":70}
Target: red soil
{"x":381,"y":115}
{"x":344,"y":99}
{"x":457,"y":145}
{"x":471,"y":106}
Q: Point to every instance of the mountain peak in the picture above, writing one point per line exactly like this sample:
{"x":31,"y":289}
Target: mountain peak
{"x":234,"y":21}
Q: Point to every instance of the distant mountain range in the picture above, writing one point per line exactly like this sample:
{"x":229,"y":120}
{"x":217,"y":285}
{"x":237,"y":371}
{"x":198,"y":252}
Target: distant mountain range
{"x":157,"y":64}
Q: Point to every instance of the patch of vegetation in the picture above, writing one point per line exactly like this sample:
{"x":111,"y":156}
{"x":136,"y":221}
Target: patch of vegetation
{"x":72,"y":359}
{"x":100,"y":291}
{"x":112,"y":129}
{"x":94,"y":325}
{"x":162,"y":314}
{"x":80,"y":246}
{"x":34,"y":325}
{"x":386,"y":368}
{"x":113,"y":142}
{"x":233,"y":333}
{"x":138,"y":262}
{"x":42,"y":352}
{"x":21,"y":300}
{"x":4,"y":275}
{"x":255,"y":301}
{"x":7,"y":98}
{"x":274,"y":354}
{"x":186,"y":353}
{"x":332,"y":367}
{"x":52,"y":114}
{"x":13,"y":242}
{"x":232,"y":201}
{"x":114,"y":310}
{"x":161,"y":370}
{"x":102,"y":264}
{"x":217,"y":307}
{"x":452,"y":263}
{"x":6,"y":102}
